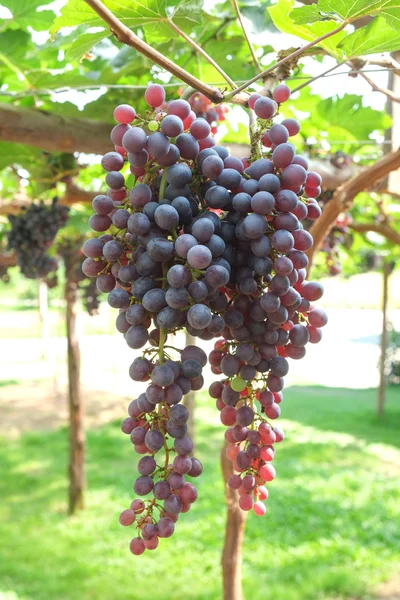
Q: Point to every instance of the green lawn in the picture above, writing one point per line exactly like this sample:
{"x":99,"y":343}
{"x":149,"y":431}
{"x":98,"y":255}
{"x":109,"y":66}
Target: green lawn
{"x":331,"y":530}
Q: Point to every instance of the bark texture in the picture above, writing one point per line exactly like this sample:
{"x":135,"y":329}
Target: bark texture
{"x":234,"y":532}
{"x":51,"y":132}
{"x":76,"y":468}
{"x":343,"y":198}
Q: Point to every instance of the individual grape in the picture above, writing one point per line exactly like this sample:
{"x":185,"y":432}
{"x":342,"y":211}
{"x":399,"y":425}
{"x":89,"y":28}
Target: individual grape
{"x":278,"y":134}
{"x":115,"y":180}
{"x":105,"y":282}
{"x":93,"y":248}
{"x":299,"y":335}
{"x":199,"y":316}
{"x":147,"y":465}
{"x":260,"y":167}
{"x":173,"y":504}
{"x":124,"y":113}
{"x":120,"y":218}
{"x":112,"y":250}
{"x":154,"y":95}
{"x":254,"y":226}
{"x":188,"y":145}
{"x":317,"y":317}
{"x":158,"y":144}
{"x":99,"y":222}
{"x":203,"y":229}
{"x":252,"y":100}
{"x":294,"y":175}
{"x":228,"y":178}
{"x":137,"y":546}
{"x":198,"y":291}
{"x":281,"y":93}
{"x":302,"y":240}
{"x":180,"y":108}
{"x":166,"y":527}
{"x":199,"y":257}
{"x":136,"y":336}
{"x":212,"y":166}
{"x":134,"y":140}
{"x":283,"y":155}
{"x":263,"y":203}
{"x":286,"y":201}
{"x":179,"y":175}
{"x":143,"y":485}
{"x":264,"y":107}
{"x":112,"y":161}
{"x":200,"y":129}
{"x":166,"y":217}
{"x":292,"y":125}
{"x":140,"y":195}
{"x":154,"y":440}
{"x":178,"y":276}
{"x":102,"y":205}
{"x":154,"y":300}
{"x":217,"y":197}
{"x":269,"y":183}
{"x":232,"y":162}
{"x":312,"y":290}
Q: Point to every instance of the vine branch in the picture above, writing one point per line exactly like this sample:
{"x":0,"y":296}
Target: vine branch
{"x":382,"y":228}
{"x":201,"y":51}
{"x":343,"y":198}
{"x":250,"y":45}
{"x":126,"y":36}
{"x":289,"y":57}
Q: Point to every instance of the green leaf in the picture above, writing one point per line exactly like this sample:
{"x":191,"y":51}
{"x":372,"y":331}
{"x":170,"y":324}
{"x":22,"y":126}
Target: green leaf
{"x":306,"y":14}
{"x":152,"y":15}
{"x":375,"y":37}
{"x":259,"y":16}
{"x":84,"y":43}
{"x":24,"y":13}
{"x":281,"y":16}
{"x":18,"y":154}
{"x":348,"y":10}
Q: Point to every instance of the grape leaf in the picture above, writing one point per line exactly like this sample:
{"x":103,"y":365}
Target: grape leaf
{"x":306,"y":14}
{"x":348,"y":10}
{"x":152,"y":15}
{"x":375,"y":37}
{"x":283,"y":21}
{"x":85,"y":42}
{"x":24,"y":13}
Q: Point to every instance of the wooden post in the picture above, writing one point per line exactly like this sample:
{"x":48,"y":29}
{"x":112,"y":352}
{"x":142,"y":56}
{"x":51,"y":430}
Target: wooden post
{"x":387,"y":269}
{"x":76,"y":467}
{"x":44,"y":317}
{"x":234,"y":532}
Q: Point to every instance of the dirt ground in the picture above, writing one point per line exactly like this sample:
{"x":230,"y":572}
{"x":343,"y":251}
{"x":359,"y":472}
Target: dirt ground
{"x":39,"y":405}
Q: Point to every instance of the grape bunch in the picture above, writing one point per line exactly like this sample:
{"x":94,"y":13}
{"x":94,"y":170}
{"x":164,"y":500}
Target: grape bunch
{"x":206,"y":242}
{"x":32,"y":233}
{"x":157,"y":425}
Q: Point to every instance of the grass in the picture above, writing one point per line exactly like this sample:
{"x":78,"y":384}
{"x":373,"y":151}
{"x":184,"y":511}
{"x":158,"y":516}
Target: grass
{"x":331,"y":529}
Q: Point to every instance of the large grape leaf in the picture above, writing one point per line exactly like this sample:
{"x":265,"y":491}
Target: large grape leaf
{"x":377,"y":36}
{"x":152,"y":15}
{"x":283,"y":21}
{"x":348,"y":10}
{"x":25,"y":13}
{"x":20,"y":154}
{"x":84,"y":43}
{"x":306,"y":14}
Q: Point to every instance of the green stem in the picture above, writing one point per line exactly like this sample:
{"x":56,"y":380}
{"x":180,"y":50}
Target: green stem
{"x":187,"y":92}
{"x":163,"y":184}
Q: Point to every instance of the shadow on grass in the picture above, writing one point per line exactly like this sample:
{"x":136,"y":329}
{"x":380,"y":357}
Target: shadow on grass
{"x":346,"y":411}
{"x":330,"y":530}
